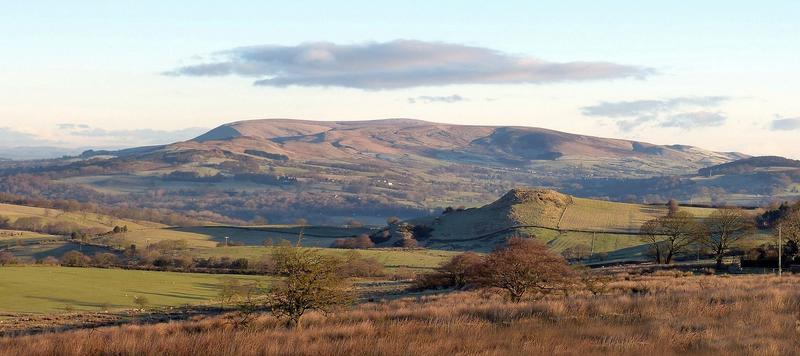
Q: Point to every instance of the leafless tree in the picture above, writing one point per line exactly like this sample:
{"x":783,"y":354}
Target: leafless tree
{"x":525,"y":266}
{"x":311,"y":282}
{"x":723,"y":229}
{"x":650,"y":233}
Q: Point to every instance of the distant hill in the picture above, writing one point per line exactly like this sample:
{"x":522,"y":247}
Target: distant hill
{"x":750,"y":165}
{"x":333,"y":171}
{"x":299,"y":139}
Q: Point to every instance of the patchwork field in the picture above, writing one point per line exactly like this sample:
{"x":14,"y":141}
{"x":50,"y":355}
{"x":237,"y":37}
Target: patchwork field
{"x":57,"y":289}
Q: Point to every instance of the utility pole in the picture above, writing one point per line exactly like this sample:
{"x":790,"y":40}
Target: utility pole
{"x":780,"y":251}
{"x":591,"y":252}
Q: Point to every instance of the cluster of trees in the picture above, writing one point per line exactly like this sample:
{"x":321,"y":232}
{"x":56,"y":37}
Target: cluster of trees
{"x":521,"y":268}
{"x":679,"y":231}
{"x":41,"y":225}
{"x":31,"y":190}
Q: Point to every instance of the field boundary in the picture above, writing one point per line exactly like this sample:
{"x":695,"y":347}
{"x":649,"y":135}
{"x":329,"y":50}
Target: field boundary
{"x":516,"y":227}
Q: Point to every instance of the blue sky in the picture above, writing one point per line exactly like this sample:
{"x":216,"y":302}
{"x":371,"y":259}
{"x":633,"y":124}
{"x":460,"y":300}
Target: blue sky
{"x":717,"y":74}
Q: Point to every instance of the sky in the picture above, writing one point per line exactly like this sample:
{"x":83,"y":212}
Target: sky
{"x":721,"y":75}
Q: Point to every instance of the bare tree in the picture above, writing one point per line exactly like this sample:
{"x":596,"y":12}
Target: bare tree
{"x":790,"y":228}
{"x":459,"y":269}
{"x":679,"y":230}
{"x":723,"y":229}
{"x":311,"y":282}
{"x":672,"y":207}
{"x":524,"y":266}
{"x":650,"y":233}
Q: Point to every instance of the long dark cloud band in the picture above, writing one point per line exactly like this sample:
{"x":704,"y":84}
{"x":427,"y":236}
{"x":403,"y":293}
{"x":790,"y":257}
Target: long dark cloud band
{"x":396,"y":64}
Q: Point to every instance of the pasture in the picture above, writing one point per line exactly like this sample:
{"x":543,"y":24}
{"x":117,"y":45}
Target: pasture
{"x":58,"y":289}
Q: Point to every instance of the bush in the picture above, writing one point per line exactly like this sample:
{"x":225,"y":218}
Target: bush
{"x":6,"y":258}
{"x":381,"y":236}
{"x":522,"y":267}
{"x":104,"y":259}
{"x":240,"y":263}
{"x":266,"y":264}
{"x":183,"y":262}
{"x":312,"y":282}
{"x":162,"y":261}
{"x":361,"y":242}
{"x":75,"y":259}
{"x":455,"y":273}
{"x":356,"y":265}
{"x":407,"y":243}
{"x":49,"y":261}
{"x":422,"y":232}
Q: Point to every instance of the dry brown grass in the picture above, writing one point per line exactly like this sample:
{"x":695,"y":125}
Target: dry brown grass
{"x":656,"y":315}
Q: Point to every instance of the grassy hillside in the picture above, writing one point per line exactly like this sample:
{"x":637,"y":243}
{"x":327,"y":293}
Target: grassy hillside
{"x":560,"y":220}
{"x":81,"y":219}
{"x":55,"y":289}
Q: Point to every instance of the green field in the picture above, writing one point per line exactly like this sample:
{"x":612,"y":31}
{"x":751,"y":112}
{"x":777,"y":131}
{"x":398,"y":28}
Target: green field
{"x":211,"y":236}
{"x":391,"y":258}
{"x":56,"y":289}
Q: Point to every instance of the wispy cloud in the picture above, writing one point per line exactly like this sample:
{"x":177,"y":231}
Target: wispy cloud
{"x":437,"y":99}
{"x":71,"y":135}
{"x":670,"y":112}
{"x":691,"y":120}
{"x":396,"y":64}
{"x":135,"y":137}
{"x":72,"y":126}
{"x":785,"y":124}
{"x":10,"y":137}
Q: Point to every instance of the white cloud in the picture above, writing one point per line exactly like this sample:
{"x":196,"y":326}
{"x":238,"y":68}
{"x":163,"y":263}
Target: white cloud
{"x":670,"y":112}
{"x":437,"y":99}
{"x":396,"y":64}
{"x":691,"y":120}
{"x":785,"y":124}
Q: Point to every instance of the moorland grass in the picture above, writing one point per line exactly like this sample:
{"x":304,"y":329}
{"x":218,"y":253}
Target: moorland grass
{"x":656,"y":315}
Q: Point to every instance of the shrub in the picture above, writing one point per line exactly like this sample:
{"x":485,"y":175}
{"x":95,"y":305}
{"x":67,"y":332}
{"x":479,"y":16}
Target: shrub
{"x":455,"y":273}
{"x":183,"y":261}
{"x":104,"y":259}
{"x":240,"y":263}
{"x":356,"y":265}
{"x":361,"y":242}
{"x":6,"y":258}
{"x":49,"y":261}
{"x":422,"y":232}
{"x":162,"y":261}
{"x":381,"y":236}
{"x":75,"y":259}
{"x":266,"y":264}
{"x":522,"y":267}
{"x":407,"y":243}
{"x":312,"y":282}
